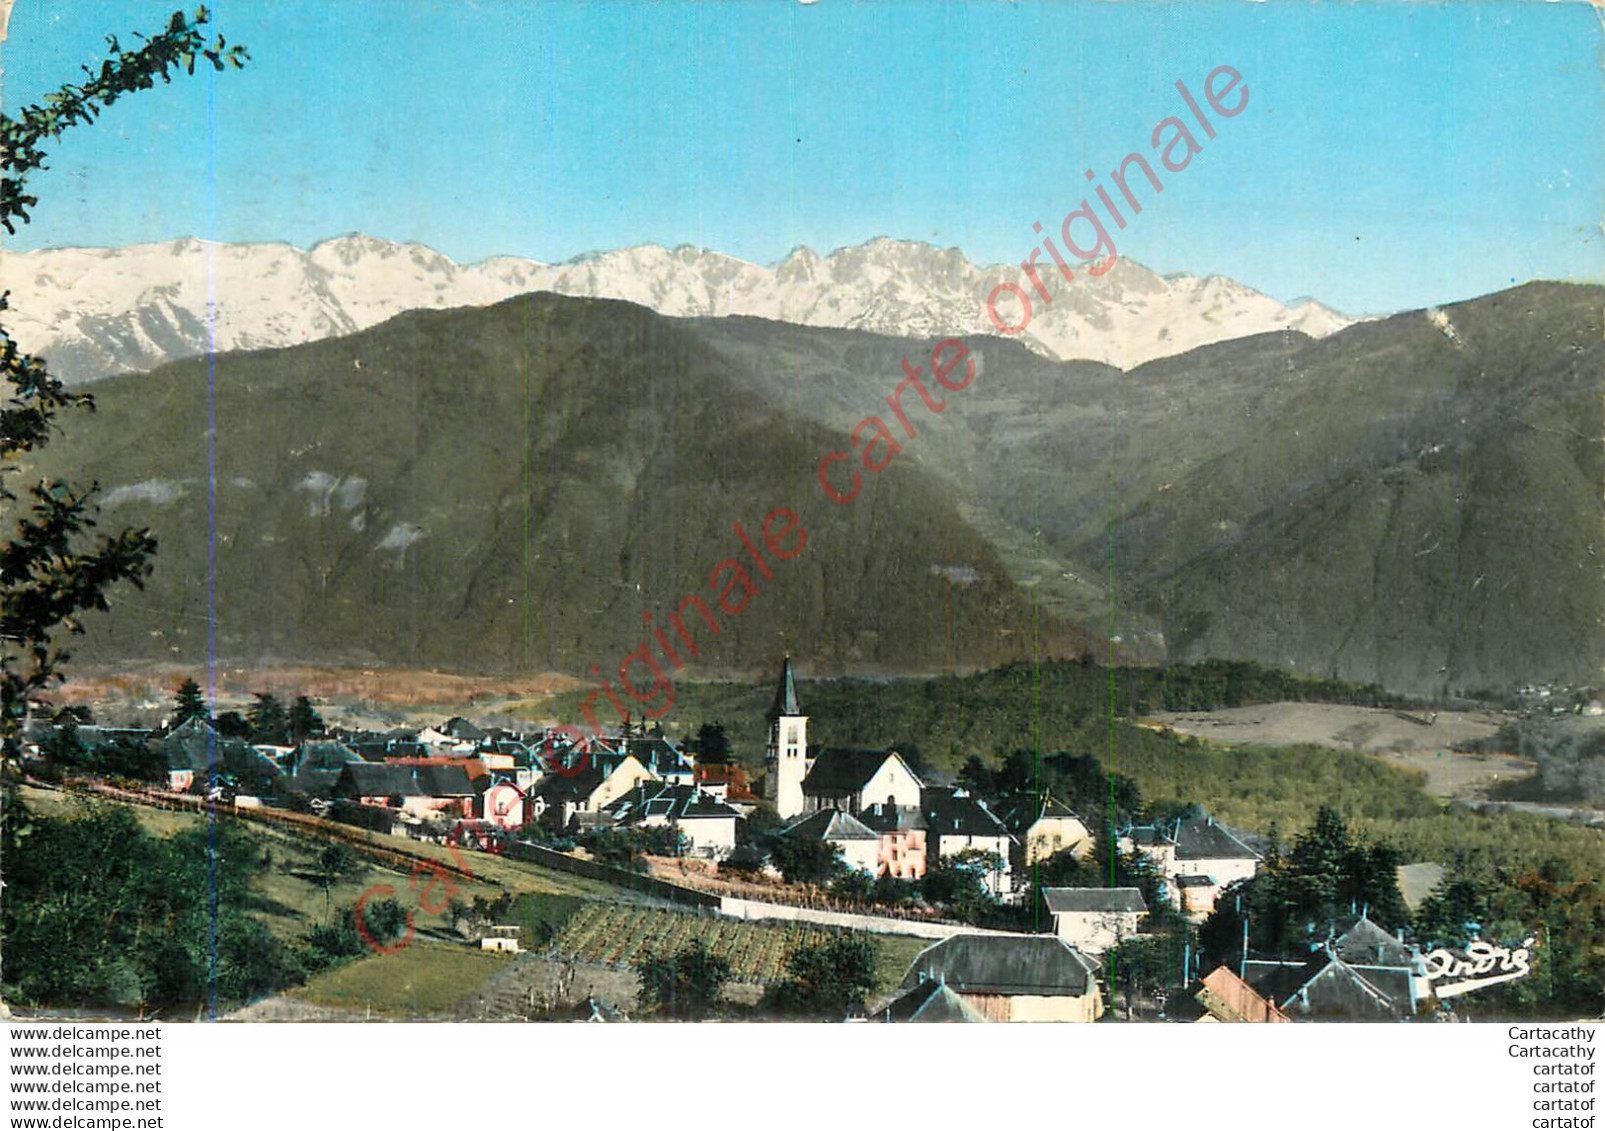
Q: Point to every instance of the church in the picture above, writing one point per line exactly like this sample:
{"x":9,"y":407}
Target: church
{"x":799,"y":781}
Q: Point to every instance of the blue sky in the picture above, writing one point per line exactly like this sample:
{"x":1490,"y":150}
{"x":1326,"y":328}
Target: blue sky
{"x":1391,"y":155}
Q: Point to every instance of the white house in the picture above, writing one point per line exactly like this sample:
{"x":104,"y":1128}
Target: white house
{"x":955,"y":822}
{"x":1197,"y":847}
{"x":707,"y":824}
{"x":859,"y":844}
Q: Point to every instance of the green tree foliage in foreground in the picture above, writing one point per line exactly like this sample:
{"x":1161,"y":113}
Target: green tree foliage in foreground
{"x":1326,"y":876}
{"x":685,"y":986}
{"x":50,"y":572}
{"x":99,"y":912}
{"x":803,"y":860}
{"x":827,"y":981}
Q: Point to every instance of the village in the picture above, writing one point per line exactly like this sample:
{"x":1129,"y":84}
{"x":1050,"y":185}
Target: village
{"x":1029,"y":916}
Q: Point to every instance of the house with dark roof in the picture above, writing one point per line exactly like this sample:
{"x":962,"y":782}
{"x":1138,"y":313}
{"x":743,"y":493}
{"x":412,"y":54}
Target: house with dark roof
{"x":707,"y":824}
{"x":561,"y":796}
{"x":579,"y":785}
{"x":666,"y":761}
{"x":1364,"y":974}
{"x":930,"y":1002}
{"x":955,"y":822}
{"x":1012,"y":977}
{"x":1336,"y":991}
{"x":1043,"y":826}
{"x":419,"y":790}
{"x":1367,"y":944}
{"x":196,"y":756}
{"x":463,"y":730}
{"x":1093,"y":920}
{"x":315,"y":767}
{"x":860,"y":846}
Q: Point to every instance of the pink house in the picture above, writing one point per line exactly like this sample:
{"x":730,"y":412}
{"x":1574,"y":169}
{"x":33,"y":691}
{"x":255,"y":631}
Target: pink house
{"x":902,"y":831}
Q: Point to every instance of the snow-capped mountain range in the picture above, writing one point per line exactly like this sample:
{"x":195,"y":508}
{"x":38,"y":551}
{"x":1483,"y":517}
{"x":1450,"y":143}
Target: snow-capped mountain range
{"x":92,"y":312}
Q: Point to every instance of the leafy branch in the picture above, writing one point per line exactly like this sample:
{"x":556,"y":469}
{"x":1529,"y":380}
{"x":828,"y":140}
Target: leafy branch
{"x":47,"y":579}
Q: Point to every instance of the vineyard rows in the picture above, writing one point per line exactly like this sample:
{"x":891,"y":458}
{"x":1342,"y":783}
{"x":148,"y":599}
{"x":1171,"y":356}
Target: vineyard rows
{"x":616,"y":934}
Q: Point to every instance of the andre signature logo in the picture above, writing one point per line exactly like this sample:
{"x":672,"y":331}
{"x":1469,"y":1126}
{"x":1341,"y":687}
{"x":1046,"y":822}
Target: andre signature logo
{"x":1479,"y":964}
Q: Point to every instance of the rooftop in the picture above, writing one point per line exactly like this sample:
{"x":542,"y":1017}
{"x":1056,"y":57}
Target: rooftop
{"x":1095,"y":900}
{"x":1039,"y":965}
{"x":831,"y":824}
{"x":838,"y":772}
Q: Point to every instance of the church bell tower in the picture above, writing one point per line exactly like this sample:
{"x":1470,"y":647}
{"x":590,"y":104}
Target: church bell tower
{"x":786,"y":758}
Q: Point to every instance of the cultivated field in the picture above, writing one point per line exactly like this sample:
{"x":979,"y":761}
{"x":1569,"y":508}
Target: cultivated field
{"x":616,"y":934}
{"x":423,"y":980}
{"x":1397,"y":740}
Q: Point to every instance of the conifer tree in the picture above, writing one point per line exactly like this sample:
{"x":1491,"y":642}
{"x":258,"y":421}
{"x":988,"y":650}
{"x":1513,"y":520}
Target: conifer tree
{"x":189,"y":703}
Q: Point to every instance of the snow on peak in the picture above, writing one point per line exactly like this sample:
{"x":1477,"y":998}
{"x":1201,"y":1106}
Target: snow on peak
{"x":95,"y":312}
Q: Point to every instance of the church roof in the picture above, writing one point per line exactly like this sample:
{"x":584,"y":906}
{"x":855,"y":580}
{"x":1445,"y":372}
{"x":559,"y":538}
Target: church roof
{"x":786,"y":694}
{"x":837,"y":771}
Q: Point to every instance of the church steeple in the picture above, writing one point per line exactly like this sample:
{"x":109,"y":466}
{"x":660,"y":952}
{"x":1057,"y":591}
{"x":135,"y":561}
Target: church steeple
{"x":786,"y":694}
{"x":786,"y":758}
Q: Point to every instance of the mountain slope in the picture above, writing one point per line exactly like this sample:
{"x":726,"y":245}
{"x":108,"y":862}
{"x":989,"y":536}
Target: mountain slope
{"x":1430,"y":483}
{"x":512,"y":488}
{"x":94,"y":311}
{"x":1414,"y":501}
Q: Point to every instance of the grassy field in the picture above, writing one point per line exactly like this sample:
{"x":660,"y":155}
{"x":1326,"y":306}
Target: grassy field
{"x":290,"y":904}
{"x":59,"y":804}
{"x":423,"y":980}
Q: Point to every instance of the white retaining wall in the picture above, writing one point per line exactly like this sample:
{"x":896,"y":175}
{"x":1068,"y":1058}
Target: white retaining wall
{"x":883,"y":925}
